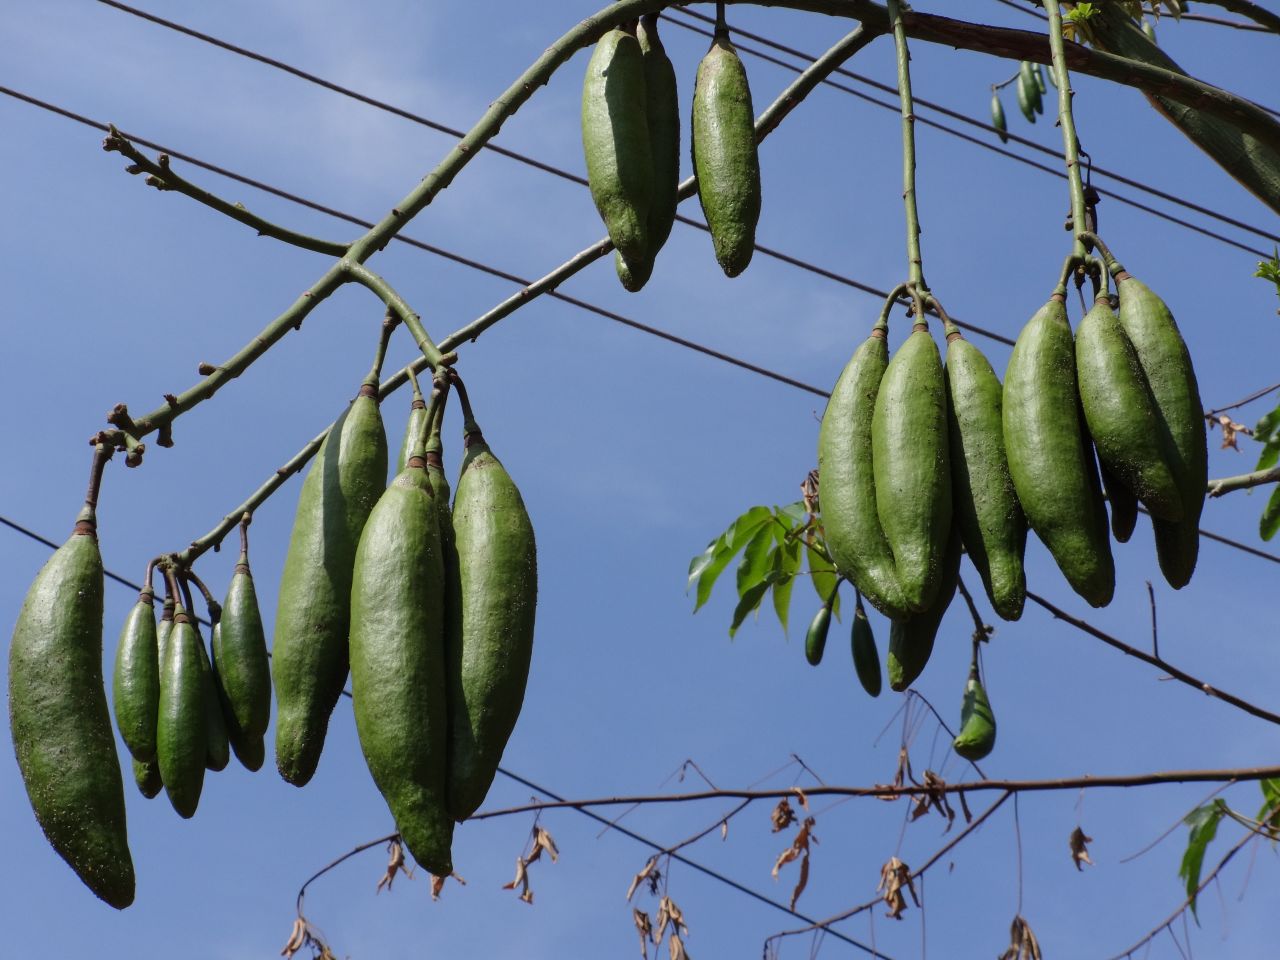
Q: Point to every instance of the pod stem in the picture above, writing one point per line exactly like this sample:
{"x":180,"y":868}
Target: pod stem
{"x":1068,"y":268}
{"x":1113,"y":265}
{"x":1066,"y":120}
{"x":148,"y":575}
{"x":418,"y":403}
{"x":389,"y":323}
{"x":915,"y":263}
{"x":469,"y":426}
{"x":891,"y":301}
{"x":949,"y":327}
{"x":245,"y":519}
{"x":87,"y":519}
{"x":435,"y":413}
{"x":722,"y":28}
{"x":173,"y":592}
{"x":212,"y":605}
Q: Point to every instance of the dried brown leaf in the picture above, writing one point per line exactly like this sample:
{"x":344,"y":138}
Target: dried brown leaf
{"x":799,"y":845}
{"x":642,"y":876}
{"x":1022,"y":942}
{"x":542,"y":841}
{"x":782,"y":816}
{"x":1079,"y":852}
{"x":804,"y":801}
{"x":724,"y":829}
{"x":669,"y":913}
{"x":297,"y":938}
{"x":437,"y":884}
{"x":395,"y":864}
{"x":802,"y":882}
{"x":676,"y":946}
{"x":521,"y":880}
{"x":919,"y":806}
{"x":895,"y":877}
{"x":1229,"y":431}
{"x":643,"y":927}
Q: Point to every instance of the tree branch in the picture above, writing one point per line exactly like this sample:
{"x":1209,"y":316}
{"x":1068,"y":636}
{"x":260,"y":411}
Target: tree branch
{"x":1243,"y":482}
{"x":1238,"y":775}
{"x":162,"y":177}
{"x":1252,"y":11}
{"x":397,"y":305}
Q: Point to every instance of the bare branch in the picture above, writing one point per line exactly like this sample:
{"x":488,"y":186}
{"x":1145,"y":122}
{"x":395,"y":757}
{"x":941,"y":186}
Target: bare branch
{"x":1243,"y":482}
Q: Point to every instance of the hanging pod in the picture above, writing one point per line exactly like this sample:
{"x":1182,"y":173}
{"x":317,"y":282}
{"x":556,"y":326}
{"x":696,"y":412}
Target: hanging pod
{"x":489,"y":635}
{"x":615,"y":142}
{"x":724,"y":154}
{"x":413,"y":430}
{"x":992,"y":525}
{"x":997,"y":117}
{"x":866,"y":659}
{"x":911,"y":464}
{"x":1026,"y":101}
{"x":146,"y":774}
{"x":911,"y":640}
{"x":309,"y":650}
{"x":977,"y":734}
{"x":60,"y":721}
{"x":1120,"y":411}
{"x":1050,"y":459}
{"x":240,"y":666}
{"x":217,"y":744}
{"x":181,"y":737}
{"x":815,"y":638}
{"x":1180,"y":418}
{"x":135,"y":686}
{"x":662,"y":112}
{"x":1124,"y":506}
{"x":1027,"y":78}
{"x":850,"y":519}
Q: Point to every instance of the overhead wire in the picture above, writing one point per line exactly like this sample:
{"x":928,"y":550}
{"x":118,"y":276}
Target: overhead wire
{"x":494,"y":271}
{"x":574,"y":178}
{"x":524,"y":781}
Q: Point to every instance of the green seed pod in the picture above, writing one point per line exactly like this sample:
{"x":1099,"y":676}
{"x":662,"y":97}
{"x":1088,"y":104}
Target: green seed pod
{"x":977,"y":734}
{"x":997,"y":117}
{"x":911,"y":463}
{"x":992,"y":525}
{"x":1026,"y":103}
{"x":60,"y":721}
{"x":147,"y":777}
{"x":866,"y":659}
{"x":850,"y":520}
{"x":615,"y":141}
{"x":217,"y":746}
{"x":136,"y":680}
{"x":181,"y":740}
{"x":1050,"y":460}
{"x":163,"y":629}
{"x":241,"y":668}
{"x":398,"y":684}
{"x":662,"y":110}
{"x":309,"y":654}
{"x":815,"y":638}
{"x":1037,"y":72}
{"x":1120,"y":411}
{"x":250,"y":750}
{"x":1124,"y":506}
{"x":1027,"y":77}
{"x":724,"y":154}
{"x":417,"y":414}
{"x":1167,"y":364}
{"x":489,"y":637}
{"x":911,"y":640}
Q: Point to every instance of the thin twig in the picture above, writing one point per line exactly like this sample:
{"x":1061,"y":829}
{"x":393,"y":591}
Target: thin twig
{"x":1155,"y":633}
{"x":1256,"y":395}
{"x":1243,"y":482}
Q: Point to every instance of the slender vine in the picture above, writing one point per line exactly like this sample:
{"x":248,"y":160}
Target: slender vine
{"x":915,"y":261}
{"x":1066,"y":119}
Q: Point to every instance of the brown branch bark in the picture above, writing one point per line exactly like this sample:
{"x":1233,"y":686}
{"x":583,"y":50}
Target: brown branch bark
{"x":1246,"y":8}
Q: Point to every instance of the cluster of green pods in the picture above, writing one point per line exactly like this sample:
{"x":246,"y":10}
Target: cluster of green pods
{"x":631,"y":142}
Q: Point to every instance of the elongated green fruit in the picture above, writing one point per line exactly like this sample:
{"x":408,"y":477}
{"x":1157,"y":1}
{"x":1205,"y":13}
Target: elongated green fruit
{"x":135,"y":688}
{"x":992,"y":525}
{"x":1167,"y":364}
{"x":60,"y":721}
{"x":997,"y":117}
{"x":181,"y":739}
{"x":417,"y":414}
{"x":815,"y":638}
{"x":1025,"y":101}
{"x":217,"y":745}
{"x":147,"y":776}
{"x":977,"y":734}
{"x":724,"y":154}
{"x":911,"y":640}
{"x":1120,"y":411}
{"x":163,"y":629}
{"x":911,"y":461}
{"x":850,"y":521}
{"x":866,"y":659}
{"x":1027,"y":76}
{"x":1050,"y":461}
{"x":489,"y":637}
{"x":309,"y":654}
{"x":1037,"y":72}
{"x":615,"y":141}
{"x":398,"y":684}
{"x":662,"y":110}
{"x":241,"y":668}
{"x":1124,"y":506}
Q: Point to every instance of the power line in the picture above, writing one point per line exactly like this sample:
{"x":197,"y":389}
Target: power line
{"x":582,"y":304}
{"x":728,"y":881}
{"x":573,"y":178}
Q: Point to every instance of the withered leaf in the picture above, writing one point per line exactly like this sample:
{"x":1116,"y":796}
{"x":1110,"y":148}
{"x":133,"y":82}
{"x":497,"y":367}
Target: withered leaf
{"x":542,"y":841}
{"x":1229,"y":431}
{"x":669,"y":913}
{"x":919,"y":806}
{"x":799,"y":848}
{"x":804,"y":801}
{"x":297,"y":938}
{"x":802,"y":882}
{"x":1022,"y":942}
{"x":643,"y":927}
{"x":437,"y":884}
{"x":1079,"y":852}
{"x":521,"y":880}
{"x":395,"y":864}
{"x":895,"y":877}
{"x":782,"y":816}
{"x":640,"y":877}
{"x":724,"y":829}
{"x":676,"y":946}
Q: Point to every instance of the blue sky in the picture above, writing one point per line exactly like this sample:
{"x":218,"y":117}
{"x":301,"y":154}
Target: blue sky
{"x":631,"y":453}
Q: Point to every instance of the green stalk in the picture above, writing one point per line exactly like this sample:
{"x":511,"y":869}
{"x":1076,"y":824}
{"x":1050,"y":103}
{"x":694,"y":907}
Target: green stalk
{"x":397,"y":305}
{"x":915,"y":262}
{"x":379,"y":357}
{"x":1070,"y":142}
